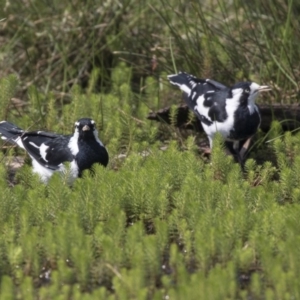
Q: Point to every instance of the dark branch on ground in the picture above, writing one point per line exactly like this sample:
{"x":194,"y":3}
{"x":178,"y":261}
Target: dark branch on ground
{"x":289,"y":115}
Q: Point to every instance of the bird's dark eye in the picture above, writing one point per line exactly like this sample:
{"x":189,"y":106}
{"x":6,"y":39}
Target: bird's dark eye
{"x":247,"y":91}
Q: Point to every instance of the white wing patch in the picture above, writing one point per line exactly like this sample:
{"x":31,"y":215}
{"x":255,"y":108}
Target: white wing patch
{"x":184,"y":88}
{"x":201,"y":109}
{"x":223,"y":127}
{"x":34,"y":145}
{"x":43,"y":151}
{"x":231,"y":106}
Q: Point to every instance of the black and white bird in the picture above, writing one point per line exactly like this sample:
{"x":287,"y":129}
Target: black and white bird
{"x":49,"y":151}
{"x":229,"y":110}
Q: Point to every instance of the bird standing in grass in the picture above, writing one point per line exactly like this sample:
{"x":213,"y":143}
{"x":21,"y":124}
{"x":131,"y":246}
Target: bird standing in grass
{"x":229,"y":110}
{"x":49,"y":151}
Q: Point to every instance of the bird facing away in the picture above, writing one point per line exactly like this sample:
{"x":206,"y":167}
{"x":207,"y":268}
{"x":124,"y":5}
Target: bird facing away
{"x":229,"y":110}
{"x":49,"y":151}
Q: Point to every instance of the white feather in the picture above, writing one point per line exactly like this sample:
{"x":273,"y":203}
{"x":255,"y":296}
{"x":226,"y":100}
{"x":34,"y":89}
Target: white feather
{"x":252,"y":97}
{"x":73,"y":143}
{"x":202,"y":110}
{"x":222,"y":127}
{"x":43,"y":150}
{"x":34,"y":145}
{"x":19,"y":142}
{"x":45,"y":173}
{"x":96,"y":137}
{"x":183,"y":87}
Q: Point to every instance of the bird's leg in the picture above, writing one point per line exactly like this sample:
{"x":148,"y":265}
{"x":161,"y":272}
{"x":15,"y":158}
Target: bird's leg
{"x":207,"y":150}
{"x":210,"y":142}
{"x":236,"y":145}
{"x":245,"y":148}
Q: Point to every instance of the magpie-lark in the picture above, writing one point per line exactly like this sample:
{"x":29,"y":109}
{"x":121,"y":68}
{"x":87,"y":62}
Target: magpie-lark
{"x":49,"y":151}
{"x":229,"y":110}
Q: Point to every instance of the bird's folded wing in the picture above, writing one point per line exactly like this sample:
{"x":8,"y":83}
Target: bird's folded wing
{"x":49,"y":149}
{"x":200,"y":87}
{"x":217,"y":106}
{"x":216,"y":85}
{"x":208,"y":101}
{"x":194,"y":87}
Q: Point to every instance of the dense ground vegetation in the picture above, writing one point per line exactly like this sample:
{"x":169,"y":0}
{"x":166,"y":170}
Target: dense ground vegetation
{"x":162,"y":221}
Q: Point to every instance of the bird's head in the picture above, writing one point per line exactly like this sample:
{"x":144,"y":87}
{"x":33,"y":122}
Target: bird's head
{"x":249,"y":91}
{"x":86,"y":129}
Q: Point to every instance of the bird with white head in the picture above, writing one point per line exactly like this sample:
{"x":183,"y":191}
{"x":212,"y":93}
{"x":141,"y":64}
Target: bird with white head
{"x":231,"y":111}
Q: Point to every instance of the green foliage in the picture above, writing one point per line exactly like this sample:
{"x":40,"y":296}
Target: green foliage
{"x":233,"y":41}
{"x":57,"y":46}
{"x":160,"y":222}
{"x":8,"y":89}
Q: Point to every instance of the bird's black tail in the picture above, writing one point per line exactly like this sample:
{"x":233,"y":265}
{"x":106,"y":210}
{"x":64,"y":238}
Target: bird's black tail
{"x":186,"y":83}
{"x":182,"y":80}
{"x":10,"y":132}
{"x":193,"y":88}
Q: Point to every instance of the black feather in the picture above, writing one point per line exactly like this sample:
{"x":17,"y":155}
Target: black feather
{"x":58,"y":151}
{"x":51,"y":150}
{"x":212,"y":102}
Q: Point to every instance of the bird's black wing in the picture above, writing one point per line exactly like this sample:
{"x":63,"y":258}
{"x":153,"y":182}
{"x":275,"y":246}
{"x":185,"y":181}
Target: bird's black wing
{"x":215,"y":85}
{"x":205,"y":97}
{"x":216,"y":104}
{"x":194,"y":87}
{"x":49,"y":149}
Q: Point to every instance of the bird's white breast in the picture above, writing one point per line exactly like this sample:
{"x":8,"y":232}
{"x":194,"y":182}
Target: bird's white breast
{"x":73,"y":143}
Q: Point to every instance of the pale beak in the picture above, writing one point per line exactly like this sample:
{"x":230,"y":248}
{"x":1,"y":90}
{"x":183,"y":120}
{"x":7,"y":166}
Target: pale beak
{"x":264,"y":88}
{"x":86,"y":128}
